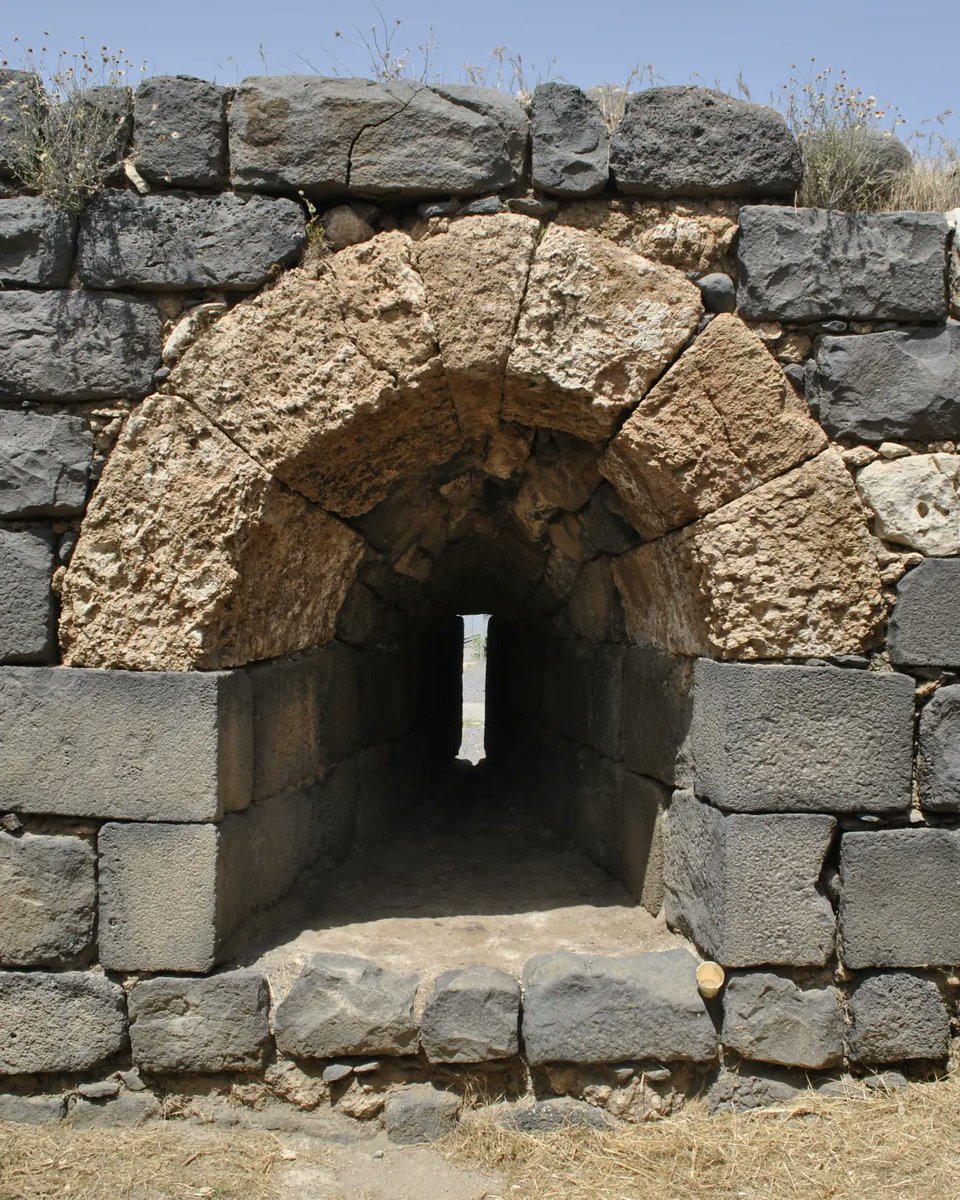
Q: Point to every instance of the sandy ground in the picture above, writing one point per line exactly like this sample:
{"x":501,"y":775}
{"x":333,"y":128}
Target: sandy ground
{"x":466,"y":880}
{"x":474,"y":675}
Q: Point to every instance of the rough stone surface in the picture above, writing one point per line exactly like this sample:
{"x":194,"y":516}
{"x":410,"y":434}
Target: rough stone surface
{"x":475,"y":273}
{"x":741,"y":1091}
{"x":550,"y":1116}
{"x":589,"y":1009}
{"x":281,"y":375}
{"x":938,"y":760}
{"x":720,"y":422}
{"x":158,"y":897}
{"x":771,"y":1018}
{"x":925,"y":625}
{"x":640,"y":864}
{"x":802,"y":739}
{"x":206,"y":1025}
{"x":657,"y":708}
{"x":857,"y":266}
{"x":36,"y":243}
{"x":571,"y":145}
{"x":185,"y":561}
{"x":340,"y":1004}
{"x":163,"y":242}
{"x":72,"y":345}
{"x":598,"y":325}
{"x":420,"y":1112}
{"x":19,"y":91}
{"x":472,"y":1016}
{"x":899,"y":905}
{"x":719,"y":293}
{"x":32,"y":1110}
{"x":47,"y":898}
{"x":26,"y":601}
{"x":499,"y":107}
{"x":788,"y":570}
{"x":129,"y":745}
{"x":44,"y":462}
{"x":327,"y":136}
{"x":745,"y":888}
{"x":915,"y":500}
{"x":58,"y":1023}
{"x":694,"y":141}
{"x":180,"y":131}
{"x":901,"y":383}
{"x":896,"y":1016}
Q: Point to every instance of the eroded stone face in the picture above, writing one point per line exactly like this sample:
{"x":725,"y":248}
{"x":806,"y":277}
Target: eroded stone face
{"x":787,"y":570}
{"x":185,"y":560}
{"x":598,"y":325}
{"x":720,"y":422}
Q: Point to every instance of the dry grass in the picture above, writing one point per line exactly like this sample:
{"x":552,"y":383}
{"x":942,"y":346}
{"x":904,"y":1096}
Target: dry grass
{"x":930,"y":185}
{"x":166,"y":1161}
{"x":900,"y":1146}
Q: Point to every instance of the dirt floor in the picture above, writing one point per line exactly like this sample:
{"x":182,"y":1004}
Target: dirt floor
{"x":466,"y":880}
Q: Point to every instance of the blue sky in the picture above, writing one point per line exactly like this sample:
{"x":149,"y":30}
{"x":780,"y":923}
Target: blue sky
{"x":911,"y":64}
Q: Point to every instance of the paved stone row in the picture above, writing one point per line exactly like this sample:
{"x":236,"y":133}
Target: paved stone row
{"x":567,"y":1008}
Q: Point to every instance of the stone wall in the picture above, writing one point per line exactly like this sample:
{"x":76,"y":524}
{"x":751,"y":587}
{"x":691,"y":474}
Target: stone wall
{"x":288,"y":397}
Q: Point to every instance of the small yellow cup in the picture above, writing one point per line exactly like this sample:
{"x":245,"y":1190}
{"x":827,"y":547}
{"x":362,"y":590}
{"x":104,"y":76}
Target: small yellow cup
{"x":710,"y":977}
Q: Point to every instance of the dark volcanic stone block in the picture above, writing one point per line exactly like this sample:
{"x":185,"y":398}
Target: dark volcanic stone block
{"x":44,"y":463}
{"x":903,"y":383}
{"x":77,"y":346}
{"x":172,"y":242}
{"x":925,"y":626}
{"x":26,"y":599}
{"x":694,"y":141}
{"x":471,"y":1016}
{"x":180,"y":131}
{"x":59,"y":1023}
{"x":770,"y":1018}
{"x":570,"y":142}
{"x":807,"y":739}
{"x":894,"y":1016}
{"x":899,"y":902}
{"x":48,"y":898}
{"x":938,"y":763}
{"x":36,"y":243}
{"x":811,"y":264}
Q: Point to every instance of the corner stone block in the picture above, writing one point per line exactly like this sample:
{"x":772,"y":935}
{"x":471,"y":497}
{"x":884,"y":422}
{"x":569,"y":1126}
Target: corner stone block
{"x":813,"y":264}
{"x":44,"y":464}
{"x":75,"y":345}
{"x":129,"y":745}
{"x":26,"y":598}
{"x":770,"y":1018}
{"x":180,"y":131}
{"x":59,"y":1023}
{"x":899,"y":902}
{"x":938,"y":762}
{"x":925,"y":625}
{"x":472,"y":1016}
{"x":584,"y":1009}
{"x":36,"y":243}
{"x":208,"y":1025}
{"x":746,"y":888}
{"x":802,"y":739}
{"x":896,"y":1016}
{"x":340,"y":1004}
{"x":48,"y":896}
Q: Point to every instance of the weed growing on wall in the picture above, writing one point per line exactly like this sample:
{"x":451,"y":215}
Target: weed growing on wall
{"x":67,"y":134}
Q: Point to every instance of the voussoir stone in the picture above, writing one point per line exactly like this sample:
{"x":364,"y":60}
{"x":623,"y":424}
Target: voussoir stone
{"x":180,"y":131}
{"x":341,"y":1004}
{"x":598,"y":325}
{"x":75,"y":345}
{"x":787,"y":570}
{"x":36,"y":243}
{"x":220,"y":1023}
{"x":745,"y":887}
{"x":695,"y":141}
{"x":856,"y":266}
{"x":925,"y":625}
{"x":590,"y":1009}
{"x":899,"y":905}
{"x":938,"y":761}
{"x":770,"y":1018}
{"x":169,"y":242}
{"x":471,"y":1016}
{"x":570,"y":142}
{"x":182,"y":563}
{"x":901,"y":383}
{"x":47,"y":898}
{"x":59,"y":1023}
{"x":132,"y":745}
{"x":802,"y":739}
{"x":895,"y":1016}
{"x":720,"y":422}
{"x":44,"y":463}
{"x":26,"y":599}
{"x":915,"y":501}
